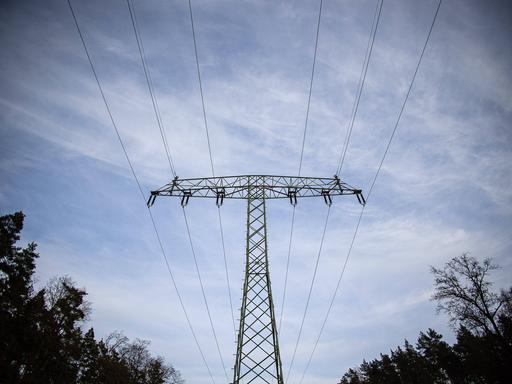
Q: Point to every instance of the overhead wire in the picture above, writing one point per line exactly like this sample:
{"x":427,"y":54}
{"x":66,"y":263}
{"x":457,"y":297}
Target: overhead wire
{"x":300,"y":162}
{"x":221,"y":229}
{"x":165,"y":143}
{"x":286,"y":271}
{"x":149,"y":82}
{"x":221,"y":226}
{"x":211,"y":159}
{"x":369,"y":48}
{"x":362,"y":78}
{"x":203,"y":291}
{"x":310,"y":86}
{"x":121,"y":142}
{"x":331,"y":302}
{"x":201,"y":86}
{"x":361,"y":82}
{"x":309,"y":292}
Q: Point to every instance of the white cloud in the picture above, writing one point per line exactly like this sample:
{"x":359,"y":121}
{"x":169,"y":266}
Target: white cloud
{"x":444,"y":188}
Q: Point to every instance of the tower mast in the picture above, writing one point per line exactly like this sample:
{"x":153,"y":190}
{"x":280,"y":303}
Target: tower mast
{"x":257,"y":355}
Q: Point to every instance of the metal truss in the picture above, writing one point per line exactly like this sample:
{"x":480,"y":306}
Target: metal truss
{"x":273,"y":187}
{"x":257,"y":355}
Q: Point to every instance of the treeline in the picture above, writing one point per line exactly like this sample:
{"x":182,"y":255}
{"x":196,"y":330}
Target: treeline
{"x":41,"y":335}
{"x":482,"y":352}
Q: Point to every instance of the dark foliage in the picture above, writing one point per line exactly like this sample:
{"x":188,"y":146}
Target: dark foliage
{"x":482,"y":318}
{"x":41,"y":335}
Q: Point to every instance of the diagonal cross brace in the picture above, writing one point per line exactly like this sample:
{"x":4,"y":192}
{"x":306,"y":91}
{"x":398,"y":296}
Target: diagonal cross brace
{"x":257,"y":336}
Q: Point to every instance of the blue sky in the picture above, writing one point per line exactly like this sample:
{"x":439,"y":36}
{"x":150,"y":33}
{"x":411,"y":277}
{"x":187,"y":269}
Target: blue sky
{"x":445,"y":187}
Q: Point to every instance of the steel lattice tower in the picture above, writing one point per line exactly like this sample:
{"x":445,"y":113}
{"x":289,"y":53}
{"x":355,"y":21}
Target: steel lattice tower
{"x":257,"y":355}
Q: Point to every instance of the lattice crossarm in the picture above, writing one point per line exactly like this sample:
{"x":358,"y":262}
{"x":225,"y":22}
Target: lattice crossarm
{"x":272,"y":187}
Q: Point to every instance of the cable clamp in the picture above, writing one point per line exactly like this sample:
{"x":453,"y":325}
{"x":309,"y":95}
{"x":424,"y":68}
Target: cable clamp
{"x":174,"y":184}
{"x":337,"y":182}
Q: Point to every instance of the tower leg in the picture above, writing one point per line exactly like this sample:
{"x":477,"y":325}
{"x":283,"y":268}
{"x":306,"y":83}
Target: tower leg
{"x":257,"y":357}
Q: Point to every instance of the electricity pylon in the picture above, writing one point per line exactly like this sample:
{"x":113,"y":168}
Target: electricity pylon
{"x":257,"y":355}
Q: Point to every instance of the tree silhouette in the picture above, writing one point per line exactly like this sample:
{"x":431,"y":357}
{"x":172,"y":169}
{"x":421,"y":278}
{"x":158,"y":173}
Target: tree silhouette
{"x":464,"y":293}
{"x":483,"y":322}
{"x":41,"y":336}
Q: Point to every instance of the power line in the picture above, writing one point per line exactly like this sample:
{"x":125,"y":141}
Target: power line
{"x":310,"y":86}
{"x":203,"y":291}
{"x":347,"y":139}
{"x":371,"y":189}
{"x":182,"y":304}
{"x":149,"y":82}
{"x":310,"y":291}
{"x":221,"y":228}
{"x":164,"y":141}
{"x":364,"y":69}
{"x":362,"y":78}
{"x":201,"y":86}
{"x":300,"y":161}
{"x":178,"y":294}
{"x":335,"y":292}
{"x":286,"y":272}
{"x":226,"y":269}
{"x":213,"y":173}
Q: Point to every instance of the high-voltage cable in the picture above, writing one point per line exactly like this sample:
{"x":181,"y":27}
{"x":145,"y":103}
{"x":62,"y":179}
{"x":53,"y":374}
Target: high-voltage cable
{"x":331,"y":302}
{"x":362,"y":78}
{"x":309,"y":292}
{"x":312,"y":77}
{"x":151,"y":88}
{"x":147,"y":73}
{"x":210,"y":152}
{"x":173,"y":171}
{"x":203,"y":291}
{"x":182,"y":304}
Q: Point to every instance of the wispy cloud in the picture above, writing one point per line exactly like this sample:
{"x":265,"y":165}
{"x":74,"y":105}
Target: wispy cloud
{"x":444,"y":188}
